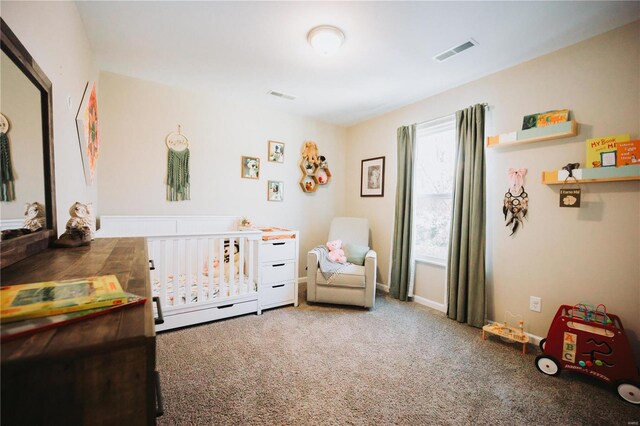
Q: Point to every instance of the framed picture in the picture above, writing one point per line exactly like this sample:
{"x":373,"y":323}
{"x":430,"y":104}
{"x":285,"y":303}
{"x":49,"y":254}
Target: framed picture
{"x":87,"y":127}
{"x":608,"y":159}
{"x":372,"y":177}
{"x":250,"y":167}
{"x":275,"y":190}
{"x":276,"y":152}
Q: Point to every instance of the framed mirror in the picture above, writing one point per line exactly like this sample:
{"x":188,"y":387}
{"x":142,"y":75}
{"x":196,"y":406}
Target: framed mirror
{"x":27,"y":151}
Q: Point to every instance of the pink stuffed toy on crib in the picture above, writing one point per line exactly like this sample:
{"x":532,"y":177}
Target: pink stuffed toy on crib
{"x":336,"y":254}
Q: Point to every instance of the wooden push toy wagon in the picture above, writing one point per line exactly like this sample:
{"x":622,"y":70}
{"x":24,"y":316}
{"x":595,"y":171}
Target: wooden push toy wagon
{"x":591,"y":342}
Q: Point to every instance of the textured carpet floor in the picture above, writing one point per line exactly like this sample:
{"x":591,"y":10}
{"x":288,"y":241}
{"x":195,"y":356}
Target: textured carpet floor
{"x":399,"y":364}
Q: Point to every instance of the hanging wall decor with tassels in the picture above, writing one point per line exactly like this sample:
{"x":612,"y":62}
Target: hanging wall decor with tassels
{"x":7,"y":187}
{"x":516,"y":200}
{"x":178,"y":167}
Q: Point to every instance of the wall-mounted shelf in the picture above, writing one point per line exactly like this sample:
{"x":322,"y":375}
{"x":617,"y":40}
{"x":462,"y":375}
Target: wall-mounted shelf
{"x":601,"y":174}
{"x":566,"y":129}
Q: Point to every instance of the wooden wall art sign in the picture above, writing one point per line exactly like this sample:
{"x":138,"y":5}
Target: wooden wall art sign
{"x":570,"y":197}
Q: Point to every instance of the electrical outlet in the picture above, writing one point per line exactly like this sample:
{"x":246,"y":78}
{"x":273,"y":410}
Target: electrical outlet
{"x":535,"y":304}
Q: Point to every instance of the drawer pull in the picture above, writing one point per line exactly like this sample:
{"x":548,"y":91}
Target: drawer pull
{"x":276,"y":286}
{"x":152,"y":265}
{"x":160,"y":319}
{"x":226,"y":306}
{"x":277,"y":265}
{"x":278,"y":244}
{"x":159,"y":398}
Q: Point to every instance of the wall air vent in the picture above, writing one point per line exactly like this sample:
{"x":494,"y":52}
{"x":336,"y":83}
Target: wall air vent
{"x":455,"y":50}
{"x":280,"y":95}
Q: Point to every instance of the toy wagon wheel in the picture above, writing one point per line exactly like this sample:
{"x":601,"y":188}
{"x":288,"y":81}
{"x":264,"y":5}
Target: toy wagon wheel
{"x":542,"y":344}
{"x":628,"y":391}
{"x":547,"y":365}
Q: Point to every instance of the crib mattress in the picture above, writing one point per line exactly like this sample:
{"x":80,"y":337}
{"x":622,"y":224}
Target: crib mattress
{"x":176,"y":297}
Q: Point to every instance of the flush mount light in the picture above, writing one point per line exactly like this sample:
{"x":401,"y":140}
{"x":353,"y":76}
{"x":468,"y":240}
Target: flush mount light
{"x":325,"y":39}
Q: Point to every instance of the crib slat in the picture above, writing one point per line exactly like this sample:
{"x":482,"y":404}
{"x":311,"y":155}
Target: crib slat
{"x":199,"y":268}
{"x":221,"y":266}
{"x":210,"y":269}
{"x":241,"y":286}
{"x":252,"y":279}
{"x":163,"y":270}
{"x":175,"y":271}
{"x":188,"y":280}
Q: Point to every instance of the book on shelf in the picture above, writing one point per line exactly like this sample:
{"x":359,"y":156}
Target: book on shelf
{"x":543,"y":119}
{"x":16,"y":329}
{"x":23,"y":301}
{"x":601,"y":152}
{"x":628,"y":153}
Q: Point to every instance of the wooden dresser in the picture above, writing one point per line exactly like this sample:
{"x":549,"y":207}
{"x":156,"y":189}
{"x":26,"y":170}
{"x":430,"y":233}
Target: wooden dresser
{"x":97,"y":371}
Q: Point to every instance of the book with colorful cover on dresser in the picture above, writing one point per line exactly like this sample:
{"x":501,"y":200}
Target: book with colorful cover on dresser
{"x":16,"y":329}
{"x":601,"y":152}
{"x":23,"y":301}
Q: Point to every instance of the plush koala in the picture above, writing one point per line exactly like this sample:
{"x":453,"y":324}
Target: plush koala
{"x":336,"y":254}
{"x":252,"y":167}
{"x":34,"y":216}
{"x":310,"y":152}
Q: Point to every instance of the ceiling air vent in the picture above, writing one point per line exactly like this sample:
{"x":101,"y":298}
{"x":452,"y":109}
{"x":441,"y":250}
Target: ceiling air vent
{"x":280,"y":95}
{"x":455,"y":50}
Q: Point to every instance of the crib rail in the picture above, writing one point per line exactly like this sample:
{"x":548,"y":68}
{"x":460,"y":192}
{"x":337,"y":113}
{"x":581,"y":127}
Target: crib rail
{"x":199,"y":270}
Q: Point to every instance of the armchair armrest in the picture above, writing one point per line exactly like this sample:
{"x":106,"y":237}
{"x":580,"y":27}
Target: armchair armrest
{"x":313,"y":257}
{"x":370,"y":277}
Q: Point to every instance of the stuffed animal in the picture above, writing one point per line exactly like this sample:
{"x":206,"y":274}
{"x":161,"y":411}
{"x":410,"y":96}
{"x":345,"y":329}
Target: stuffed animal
{"x":336,"y":254}
{"x":34,"y":216}
{"x":310,"y":152}
{"x":82,"y":216}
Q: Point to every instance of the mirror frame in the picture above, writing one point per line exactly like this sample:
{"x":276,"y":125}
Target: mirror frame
{"x":14,"y":250}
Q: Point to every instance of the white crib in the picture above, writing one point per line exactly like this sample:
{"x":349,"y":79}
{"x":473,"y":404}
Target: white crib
{"x":201,"y":278}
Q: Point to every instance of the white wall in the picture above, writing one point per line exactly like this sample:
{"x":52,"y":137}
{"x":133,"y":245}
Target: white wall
{"x":135,"y":118}
{"x":54,"y":35}
{"x":565,"y":256}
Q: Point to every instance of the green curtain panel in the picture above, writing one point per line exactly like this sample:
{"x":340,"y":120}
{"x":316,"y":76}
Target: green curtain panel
{"x":401,"y":267}
{"x":466,"y":275}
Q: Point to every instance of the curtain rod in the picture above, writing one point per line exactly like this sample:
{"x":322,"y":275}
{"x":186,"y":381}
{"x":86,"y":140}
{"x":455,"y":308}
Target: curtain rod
{"x":485,"y":105}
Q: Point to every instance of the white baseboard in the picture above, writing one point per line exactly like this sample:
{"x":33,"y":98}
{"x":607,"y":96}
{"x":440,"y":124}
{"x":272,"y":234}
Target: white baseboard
{"x":430,"y":304}
{"x":382,"y":287}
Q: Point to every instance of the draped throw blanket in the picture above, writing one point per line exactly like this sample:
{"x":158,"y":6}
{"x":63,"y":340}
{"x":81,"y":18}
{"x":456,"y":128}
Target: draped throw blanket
{"x":7,"y":188}
{"x":465,"y":273}
{"x":178,"y":175}
{"x":328,"y":268}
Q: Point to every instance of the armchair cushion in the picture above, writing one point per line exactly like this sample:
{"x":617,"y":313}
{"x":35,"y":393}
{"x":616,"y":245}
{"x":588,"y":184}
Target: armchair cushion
{"x":350,"y":276}
{"x":355,"y":253}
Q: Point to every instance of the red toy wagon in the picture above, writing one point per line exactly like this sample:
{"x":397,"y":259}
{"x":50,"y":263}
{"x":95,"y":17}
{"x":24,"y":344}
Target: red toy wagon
{"x":594,"y":343}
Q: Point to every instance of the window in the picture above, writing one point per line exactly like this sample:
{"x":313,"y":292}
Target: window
{"x":433,"y":189}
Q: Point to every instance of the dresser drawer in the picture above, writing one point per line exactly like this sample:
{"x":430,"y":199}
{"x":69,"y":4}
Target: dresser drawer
{"x":277,"y":295}
{"x":278,"y":250}
{"x":278,"y":272}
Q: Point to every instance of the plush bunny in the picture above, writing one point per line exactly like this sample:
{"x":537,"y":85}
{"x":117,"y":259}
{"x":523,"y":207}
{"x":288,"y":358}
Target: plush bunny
{"x":336,"y":254}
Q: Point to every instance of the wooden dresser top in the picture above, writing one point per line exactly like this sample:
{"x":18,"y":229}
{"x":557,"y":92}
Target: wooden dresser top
{"x":124,"y":257}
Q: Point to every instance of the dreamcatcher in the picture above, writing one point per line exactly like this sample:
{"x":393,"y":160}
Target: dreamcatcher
{"x":516,"y":200}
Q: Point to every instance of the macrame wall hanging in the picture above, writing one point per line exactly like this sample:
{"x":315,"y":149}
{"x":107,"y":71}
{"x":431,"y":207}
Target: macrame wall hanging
{"x":177,"y":167}
{"x":516,"y":200}
{"x":7,"y":187}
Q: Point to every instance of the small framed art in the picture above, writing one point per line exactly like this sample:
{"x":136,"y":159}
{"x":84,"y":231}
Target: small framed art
{"x":250,"y":167}
{"x":275,"y":190}
{"x":276,"y":152}
{"x":372,"y":177}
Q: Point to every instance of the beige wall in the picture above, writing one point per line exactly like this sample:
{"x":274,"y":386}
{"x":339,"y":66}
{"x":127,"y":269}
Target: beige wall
{"x":591,"y":254}
{"x":54,"y":35}
{"x":136,"y":116}
{"x":20,"y":103}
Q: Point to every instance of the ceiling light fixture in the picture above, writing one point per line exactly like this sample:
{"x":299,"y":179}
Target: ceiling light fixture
{"x":325,"y":39}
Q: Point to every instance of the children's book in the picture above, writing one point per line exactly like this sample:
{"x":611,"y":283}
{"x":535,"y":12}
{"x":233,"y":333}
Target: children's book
{"x":17,"y":329}
{"x":628,"y":153}
{"x":43,"y":299}
{"x":544,"y":119}
{"x":601,"y":152}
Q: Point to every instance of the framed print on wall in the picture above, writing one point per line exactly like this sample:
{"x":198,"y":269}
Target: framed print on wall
{"x":250,"y":167}
{"x":275,"y":190}
{"x":87,"y":127}
{"x":276,"y":152}
{"x":372,"y":177}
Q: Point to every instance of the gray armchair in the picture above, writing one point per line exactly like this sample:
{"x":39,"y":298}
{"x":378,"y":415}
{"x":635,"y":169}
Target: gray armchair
{"x":355,"y":284}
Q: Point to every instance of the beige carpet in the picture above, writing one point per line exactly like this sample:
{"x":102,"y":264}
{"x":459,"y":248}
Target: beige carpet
{"x":400,"y":364}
